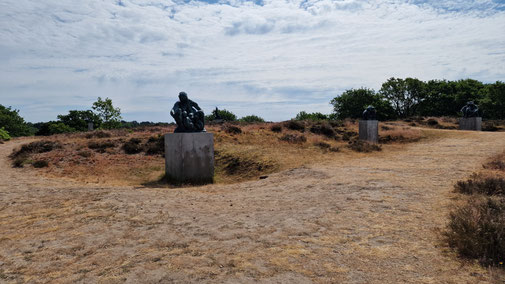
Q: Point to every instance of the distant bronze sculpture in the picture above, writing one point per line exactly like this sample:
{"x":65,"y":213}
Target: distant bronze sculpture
{"x":470,"y":110}
{"x":188,"y":115}
{"x":370,"y":113}
{"x":216,"y":114}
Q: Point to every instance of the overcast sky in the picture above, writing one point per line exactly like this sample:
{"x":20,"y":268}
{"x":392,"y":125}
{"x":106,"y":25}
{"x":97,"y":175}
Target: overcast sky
{"x":269,"y":58}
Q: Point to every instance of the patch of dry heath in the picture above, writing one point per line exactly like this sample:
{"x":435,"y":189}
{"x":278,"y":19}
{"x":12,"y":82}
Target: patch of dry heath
{"x":361,"y":218}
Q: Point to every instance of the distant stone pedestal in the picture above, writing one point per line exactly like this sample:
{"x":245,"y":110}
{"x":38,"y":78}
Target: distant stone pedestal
{"x":189,"y":157}
{"x":369,"y":130}
{"x":90,"y":126}
{"x":470,"y":123}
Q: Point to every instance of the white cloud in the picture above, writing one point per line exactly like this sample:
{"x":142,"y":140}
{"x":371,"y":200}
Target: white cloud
{"x":273,"y":59}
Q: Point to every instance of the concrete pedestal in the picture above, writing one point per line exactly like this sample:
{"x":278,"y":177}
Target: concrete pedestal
{"x":189,"y":157}
{"x":369,"y":130}
{"x":470,"y":123}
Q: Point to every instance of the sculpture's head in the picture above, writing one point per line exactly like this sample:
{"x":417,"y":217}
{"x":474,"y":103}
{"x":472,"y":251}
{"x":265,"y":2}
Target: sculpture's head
{"x":370,"y":107}
{"x":183,"y":97}
{"x":470,"y":103}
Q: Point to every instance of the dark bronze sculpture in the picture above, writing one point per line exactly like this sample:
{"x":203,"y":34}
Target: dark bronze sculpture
{"x":470,"y":110}
{"x":188,"y":115}
{"x":370,"y":113}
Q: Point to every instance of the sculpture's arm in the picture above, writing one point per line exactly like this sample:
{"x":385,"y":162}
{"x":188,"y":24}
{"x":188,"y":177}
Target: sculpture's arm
{"x":176,"y":109}
{"x":195,"y":105}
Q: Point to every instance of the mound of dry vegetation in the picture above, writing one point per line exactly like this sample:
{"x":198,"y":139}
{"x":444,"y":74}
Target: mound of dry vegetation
{"x":243,"y":151}
{"x":476,"y":228}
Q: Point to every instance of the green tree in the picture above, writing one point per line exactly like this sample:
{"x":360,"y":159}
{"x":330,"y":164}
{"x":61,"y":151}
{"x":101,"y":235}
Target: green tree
{"x":438,"y":99}
{"x":252,"y":119}
{"x":466,"y":90}
{"x":110,"y":116}
{"x":353,"y":102}
{"x":311,"y":116}
{"x":78,"y":119}
{"x":493,"y":100}
{"x":12,"y":122}
{"x":222,"y":114}
{"x":404,"y":95}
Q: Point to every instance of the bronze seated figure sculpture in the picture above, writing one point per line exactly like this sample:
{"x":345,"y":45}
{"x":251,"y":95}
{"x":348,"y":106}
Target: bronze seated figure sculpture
{"x":470,"y":110}
{"x":188,"y":115}
{"x":370,"y":113}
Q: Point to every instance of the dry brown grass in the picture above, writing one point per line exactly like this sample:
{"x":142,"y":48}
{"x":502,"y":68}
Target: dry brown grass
{"x":347,"y":218}
{"x":110,"y":157}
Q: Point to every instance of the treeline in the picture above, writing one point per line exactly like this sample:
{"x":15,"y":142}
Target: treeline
{"x":397,"y":98}
{"x":402,"y":98}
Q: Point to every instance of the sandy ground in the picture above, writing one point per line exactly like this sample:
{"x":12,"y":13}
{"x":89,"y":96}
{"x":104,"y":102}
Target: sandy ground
{"x":373,"y":218}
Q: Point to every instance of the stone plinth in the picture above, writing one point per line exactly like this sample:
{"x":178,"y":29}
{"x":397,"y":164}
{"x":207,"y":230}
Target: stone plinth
{"x":470,"y":123}
{"x":189,"y":157}
{"x":369,"y":130}
{"x":90,"y":126}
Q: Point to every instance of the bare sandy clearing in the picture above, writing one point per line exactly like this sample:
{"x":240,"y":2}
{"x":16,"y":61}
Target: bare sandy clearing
{"x":370,"y":219}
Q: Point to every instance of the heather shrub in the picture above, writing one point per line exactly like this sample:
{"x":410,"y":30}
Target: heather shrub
{"x":276,"y":128}
{"x":40,"y":164}
{"x":295,"y":125}
{"x":480,"y":184}
{"x":477,"y":229}
{"x":155,"y":145}
{"x":101,"y":146}
{"x":231,"y":129}
{"x":322,"y":145}
{"x":98,"y":134}
{"x":432,"y":122}
{"x":293,"y":138}
{"x":362,"y":146}
{"x":323,"y":129}
{"x":35,"y":148}
{"x":132,"y":146}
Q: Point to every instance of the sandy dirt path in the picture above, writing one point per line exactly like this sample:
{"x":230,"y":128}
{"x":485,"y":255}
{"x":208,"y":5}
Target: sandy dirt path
{"x":371,"y":219}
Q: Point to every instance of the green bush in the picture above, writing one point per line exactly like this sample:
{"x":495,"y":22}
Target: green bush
{"x":4,"y":135}
{"x":60,"y":127}
{"x":311,"y":116}
{"x":223,"y":114}
{"x":252,"y":119}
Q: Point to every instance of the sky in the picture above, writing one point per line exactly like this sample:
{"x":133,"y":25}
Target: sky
{"x":268,"y":58}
